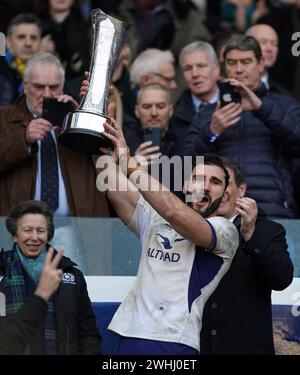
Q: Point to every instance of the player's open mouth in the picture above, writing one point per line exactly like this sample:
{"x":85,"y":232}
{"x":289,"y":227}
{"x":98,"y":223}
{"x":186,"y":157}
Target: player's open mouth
{"x":205,"y":199}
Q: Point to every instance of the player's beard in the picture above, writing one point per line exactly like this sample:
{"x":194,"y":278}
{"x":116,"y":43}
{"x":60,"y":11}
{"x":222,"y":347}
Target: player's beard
{"x":210,"y":209}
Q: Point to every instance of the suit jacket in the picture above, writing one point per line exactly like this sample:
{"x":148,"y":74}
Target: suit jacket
{"x":18,"y":168}
{"x":237,"y":318}
{"x":184,"y":112}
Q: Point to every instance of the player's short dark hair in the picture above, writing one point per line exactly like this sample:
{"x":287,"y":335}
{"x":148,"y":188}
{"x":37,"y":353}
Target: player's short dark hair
{"x":214,"y":159}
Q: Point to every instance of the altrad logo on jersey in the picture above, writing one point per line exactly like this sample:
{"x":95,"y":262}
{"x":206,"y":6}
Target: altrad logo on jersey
{"x":164,"y":256}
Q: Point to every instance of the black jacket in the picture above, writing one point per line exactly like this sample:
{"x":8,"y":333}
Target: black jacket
{"x":71,"y":42}
{"x":184,"y":112}
{"x":14,"y":336}
{"x":276,"y":87}
{"x":77,"y":332}
{"x":134,"y":136}
{"x":237,"y":318}
{"x":10,"y":81}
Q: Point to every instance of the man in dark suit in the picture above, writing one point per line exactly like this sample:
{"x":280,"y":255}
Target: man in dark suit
{"x":200,"y":68}
{"x":268,"y":40}
{"x":237,"y":317}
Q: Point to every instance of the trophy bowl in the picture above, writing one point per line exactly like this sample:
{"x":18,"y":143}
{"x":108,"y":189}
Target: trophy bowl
{"x":82,"y":130}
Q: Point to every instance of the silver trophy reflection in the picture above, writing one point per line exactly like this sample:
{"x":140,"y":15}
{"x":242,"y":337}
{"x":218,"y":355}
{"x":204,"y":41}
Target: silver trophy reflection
{"x":82,"y":130}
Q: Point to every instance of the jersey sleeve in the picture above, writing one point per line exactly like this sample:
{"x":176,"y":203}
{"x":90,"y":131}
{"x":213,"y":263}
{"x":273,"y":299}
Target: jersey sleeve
{"x":226,"y":237}
{"x":141,"y":217}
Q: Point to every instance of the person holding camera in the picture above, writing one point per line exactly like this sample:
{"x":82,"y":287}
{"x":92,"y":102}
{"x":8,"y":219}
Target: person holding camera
{"x":33,"y":164}
{"x":153,"y":110}
{"x":261,"y":131}
{"x":152,"y":139}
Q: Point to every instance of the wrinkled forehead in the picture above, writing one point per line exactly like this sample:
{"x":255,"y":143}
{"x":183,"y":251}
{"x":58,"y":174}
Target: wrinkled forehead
{"x":45,"y":73}
{"x":32,"y":220}
{"x":237,"y":55}
{"x":195,"y":57}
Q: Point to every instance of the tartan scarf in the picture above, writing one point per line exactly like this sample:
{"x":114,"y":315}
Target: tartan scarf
{"x":15,"y":293}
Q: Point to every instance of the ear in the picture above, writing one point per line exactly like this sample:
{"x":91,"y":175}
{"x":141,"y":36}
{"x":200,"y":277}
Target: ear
{"x":145,"y":80}
{"x":242,"y":189}
{"x":136,"y":111}
{"x":8,"y":42}
{"x":261,"y":65}
{"x":171,"y":110}
{"x":217,"y":71}
{"x":25,"y":84}
{"x":225,"y":196}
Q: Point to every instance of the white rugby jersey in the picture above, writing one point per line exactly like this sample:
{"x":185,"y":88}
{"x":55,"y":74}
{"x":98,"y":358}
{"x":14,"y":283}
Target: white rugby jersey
{"x":174,"y":279}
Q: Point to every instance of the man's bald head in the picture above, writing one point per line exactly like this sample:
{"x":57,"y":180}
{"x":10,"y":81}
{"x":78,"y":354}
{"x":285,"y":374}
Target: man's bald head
{"x":268,"y":40}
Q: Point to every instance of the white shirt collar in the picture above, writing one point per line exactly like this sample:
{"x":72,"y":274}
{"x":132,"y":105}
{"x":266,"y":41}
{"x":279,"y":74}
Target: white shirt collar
{"x":197,"y":102}
{"x":233,"y":217}
{"x":265,"y":80}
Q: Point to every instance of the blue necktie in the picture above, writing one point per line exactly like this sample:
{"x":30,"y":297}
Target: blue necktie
{"x":49,"y":172}
{"x":202,"y":105}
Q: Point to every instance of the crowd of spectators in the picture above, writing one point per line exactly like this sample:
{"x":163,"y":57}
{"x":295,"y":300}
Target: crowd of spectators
{"x":167,"y":77}
{"x":170,"y":44}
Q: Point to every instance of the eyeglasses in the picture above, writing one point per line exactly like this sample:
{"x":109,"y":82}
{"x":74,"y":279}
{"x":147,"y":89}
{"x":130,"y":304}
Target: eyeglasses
{"x":168,"y":79}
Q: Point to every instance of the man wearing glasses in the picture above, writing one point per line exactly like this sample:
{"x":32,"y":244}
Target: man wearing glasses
{"x":154,"y":66}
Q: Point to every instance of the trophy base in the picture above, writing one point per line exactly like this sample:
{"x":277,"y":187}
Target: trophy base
{"x":85,"y":141}
{"x":79,"y":133}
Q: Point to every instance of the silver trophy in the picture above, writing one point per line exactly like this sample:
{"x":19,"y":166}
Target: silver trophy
{"x":82,"y":130}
